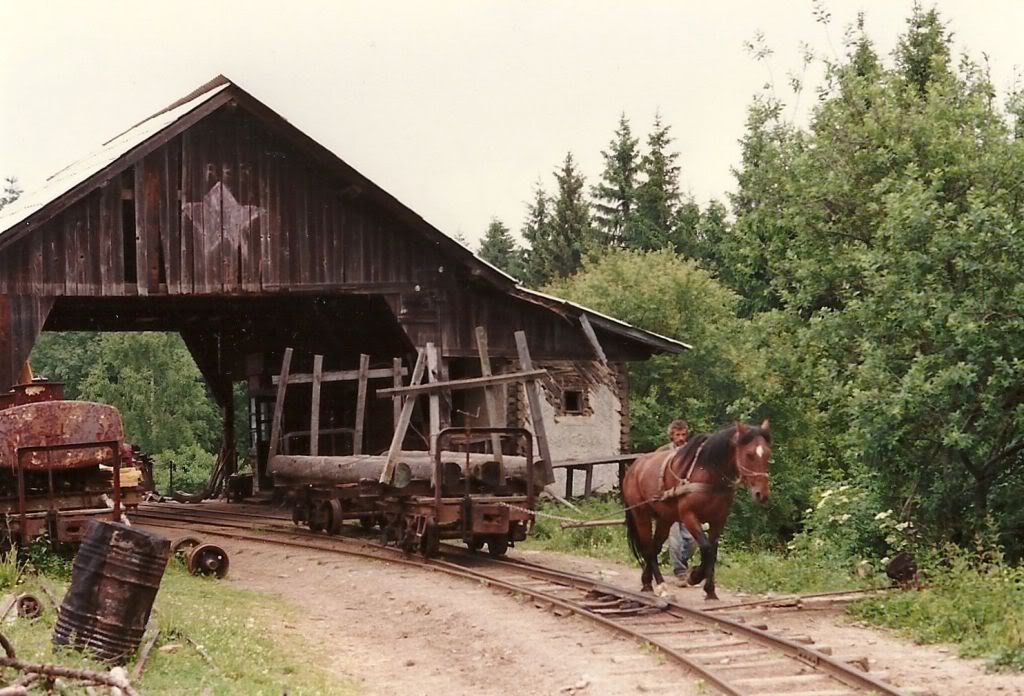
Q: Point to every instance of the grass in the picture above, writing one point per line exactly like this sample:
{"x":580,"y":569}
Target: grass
{"x":238,"y":629}
{"x":976,"y":603}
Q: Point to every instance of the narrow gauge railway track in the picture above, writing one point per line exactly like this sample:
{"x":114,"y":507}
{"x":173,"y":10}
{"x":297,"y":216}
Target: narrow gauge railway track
{"x":735,"y":658}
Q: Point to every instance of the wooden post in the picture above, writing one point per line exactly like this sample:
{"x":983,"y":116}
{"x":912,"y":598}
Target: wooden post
{"x":364,"y":369}
{"x":490,"y":396}
{"x":228,"y":446}
{"x":314,"y":416}
{"x":588,"y":482}
{"x":282,"y":386}
{"x":403,"y":421}
{"x":536,"y":415}
{"x":569,"y":474}
{"x":588,"y":330}
{"x":435,"y":398}
{"x":396,"y":402}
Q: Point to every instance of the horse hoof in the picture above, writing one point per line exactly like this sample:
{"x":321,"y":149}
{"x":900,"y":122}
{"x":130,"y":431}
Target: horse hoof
{"x":695,"y":577}
{"x":711,"y":597}
{"x":647,"y":588}
{"x":661,"y":590}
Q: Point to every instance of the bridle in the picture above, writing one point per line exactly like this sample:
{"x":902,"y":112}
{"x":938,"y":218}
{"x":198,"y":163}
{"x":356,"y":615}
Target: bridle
{"x":742,"y":472}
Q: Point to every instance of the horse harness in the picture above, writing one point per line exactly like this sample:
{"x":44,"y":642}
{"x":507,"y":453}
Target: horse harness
{"x":685,"y":486}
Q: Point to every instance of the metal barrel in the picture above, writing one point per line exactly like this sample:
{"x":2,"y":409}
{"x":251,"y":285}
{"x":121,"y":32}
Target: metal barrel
{"x":114,"y":581}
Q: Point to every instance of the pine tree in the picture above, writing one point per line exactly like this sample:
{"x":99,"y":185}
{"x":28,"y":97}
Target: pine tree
{"x":11,"y":191}
{"x":499,"y":249}
{"x":537,"y":233}
{"x":658,"y":196}
{"x":572,"y":234}
{"x":923,"y":52}
{"x":615,"y":195}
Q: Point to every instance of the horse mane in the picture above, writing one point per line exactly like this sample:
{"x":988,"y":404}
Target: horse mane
{"x":715,"y":454}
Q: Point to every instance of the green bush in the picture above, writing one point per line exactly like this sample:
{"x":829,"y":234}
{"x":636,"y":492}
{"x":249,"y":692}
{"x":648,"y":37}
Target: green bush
{"x":192,"y":467}
{"x":973,"y":599}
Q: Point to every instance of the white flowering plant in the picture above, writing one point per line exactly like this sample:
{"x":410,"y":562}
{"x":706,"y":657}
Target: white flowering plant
{"x":847,"y":524}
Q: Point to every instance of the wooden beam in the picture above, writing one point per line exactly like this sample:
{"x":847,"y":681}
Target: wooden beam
{"x":342,"y":375}
{"x":435,"y":399}
{"x":403,"y":420}
{"x":533,"y":396}
{"x":396,"y":401}
{"x":314,"y":417}
{"x":588,"y":331}
{"x":463,"y":384}
{"x":364,"y":369}
{"x":490,"y":395}
{"x":275,"y":427}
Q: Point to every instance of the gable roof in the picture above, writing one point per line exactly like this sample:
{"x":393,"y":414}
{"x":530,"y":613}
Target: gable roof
{"x":73,"y":182}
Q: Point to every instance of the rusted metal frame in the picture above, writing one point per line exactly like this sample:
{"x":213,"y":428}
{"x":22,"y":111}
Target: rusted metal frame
{"x":364,"y":369}
{"x":533,"y":396}
{"x":314,"y":416}
{"x":463,"y":384}
{"x":490,"y":397}
{"x":343,"y":375}
{"x":403,"y":420}
{"x":435,"y":398}
{"x":115,"y":449}
{"x":275,"y":428}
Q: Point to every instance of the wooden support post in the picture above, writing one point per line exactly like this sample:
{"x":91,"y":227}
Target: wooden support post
{"x":314,"y":416}
{"x":588,"y":483}
{"x":435,"y":398}
{"x":403,"y":421}
{"x":569,"y":474}
{"x":364,"y":370}
{"x":588,"y":330}
{"x":282,"y":387}
{"x":490,"y":396}
{"x":536,"y":415}
{"x":396,"y":402}
{"x":228,"y":446}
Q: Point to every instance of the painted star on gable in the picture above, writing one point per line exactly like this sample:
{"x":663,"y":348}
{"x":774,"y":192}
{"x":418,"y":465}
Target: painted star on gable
{"x":221,"y":205}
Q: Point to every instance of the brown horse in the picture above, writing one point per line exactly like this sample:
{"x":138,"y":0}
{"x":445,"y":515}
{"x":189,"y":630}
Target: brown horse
{"x":693,"y":485}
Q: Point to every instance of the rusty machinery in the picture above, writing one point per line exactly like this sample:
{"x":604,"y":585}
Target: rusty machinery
{"x":62,"y":463}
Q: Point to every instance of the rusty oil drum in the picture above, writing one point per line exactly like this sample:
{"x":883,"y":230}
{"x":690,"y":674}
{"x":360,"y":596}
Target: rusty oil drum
{"x":114,"y":581}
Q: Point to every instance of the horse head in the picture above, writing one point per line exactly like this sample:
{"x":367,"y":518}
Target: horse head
{"x":753,"y":450}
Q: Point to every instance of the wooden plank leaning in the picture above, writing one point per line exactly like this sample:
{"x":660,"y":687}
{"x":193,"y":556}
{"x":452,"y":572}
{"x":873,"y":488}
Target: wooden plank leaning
{"x":533,"y":397}
{"x":396,"y":401}
{"x":490,"y":397}
{"x":403,"y":420}
{"x":275,"y":427}
{"x":314,"y":416}
{"x":463,"y":384}
{"x":364,"y":369}
{"x":433,"y":363}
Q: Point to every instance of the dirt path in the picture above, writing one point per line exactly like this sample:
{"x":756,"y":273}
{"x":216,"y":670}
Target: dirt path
{"x":398,"y":630}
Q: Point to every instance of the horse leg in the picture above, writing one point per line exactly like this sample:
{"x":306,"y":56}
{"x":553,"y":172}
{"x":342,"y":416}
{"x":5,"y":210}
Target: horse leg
{"x":709,"y":583}
{"x":642,"y":526}
{"x":661,"y":531}
{"x":693,"y":525}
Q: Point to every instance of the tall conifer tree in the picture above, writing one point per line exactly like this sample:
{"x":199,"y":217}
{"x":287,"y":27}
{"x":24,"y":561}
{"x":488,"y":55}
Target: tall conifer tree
{"x":658,"y":196}
{"x":500,"y":249}
{"x":615,"y":194}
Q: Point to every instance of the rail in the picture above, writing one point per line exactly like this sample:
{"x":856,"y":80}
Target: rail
{"x":720,"y":650}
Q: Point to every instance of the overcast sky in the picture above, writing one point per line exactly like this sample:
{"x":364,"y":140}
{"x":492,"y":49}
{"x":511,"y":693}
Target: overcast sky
{"x":456,"y":108}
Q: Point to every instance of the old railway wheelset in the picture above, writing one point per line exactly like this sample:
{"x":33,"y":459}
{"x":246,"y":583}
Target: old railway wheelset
{"x":475,"y":484}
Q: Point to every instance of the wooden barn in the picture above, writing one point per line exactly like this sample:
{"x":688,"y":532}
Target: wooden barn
{"x":218,"y":219}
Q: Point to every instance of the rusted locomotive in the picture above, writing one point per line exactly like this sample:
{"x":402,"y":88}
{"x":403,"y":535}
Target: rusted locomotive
{"x":62,"y":463}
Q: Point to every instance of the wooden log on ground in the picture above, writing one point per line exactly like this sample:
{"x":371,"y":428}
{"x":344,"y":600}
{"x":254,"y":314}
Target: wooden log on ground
{"x":409,"y":466}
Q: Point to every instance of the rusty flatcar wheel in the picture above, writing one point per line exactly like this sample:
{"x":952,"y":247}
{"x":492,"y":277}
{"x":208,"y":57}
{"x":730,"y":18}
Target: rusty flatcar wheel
{"x":183,"y":546}
{"x":333,"y":516}
{"x":497,"y":546}
{"x":29,"y":607}
{"x":430,"y":541}
{"x":475,"y":544}
{"x":208,"y":559}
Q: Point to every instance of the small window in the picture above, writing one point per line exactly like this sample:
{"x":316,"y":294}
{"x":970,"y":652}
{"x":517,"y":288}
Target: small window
{"x":572,"y":401}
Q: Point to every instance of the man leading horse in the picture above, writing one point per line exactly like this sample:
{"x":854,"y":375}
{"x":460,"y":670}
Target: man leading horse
{"x":695,"y":485}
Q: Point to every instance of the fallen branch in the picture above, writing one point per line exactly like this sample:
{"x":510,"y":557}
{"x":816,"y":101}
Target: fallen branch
{"x":201,"y":651}
{"x":51,"y":670}
{"x":140,"y":664}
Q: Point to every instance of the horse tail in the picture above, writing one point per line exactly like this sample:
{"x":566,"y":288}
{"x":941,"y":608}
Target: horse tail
{"x":633,"y":536}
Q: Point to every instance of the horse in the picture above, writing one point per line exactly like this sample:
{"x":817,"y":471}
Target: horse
{"x":695,"y":484}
